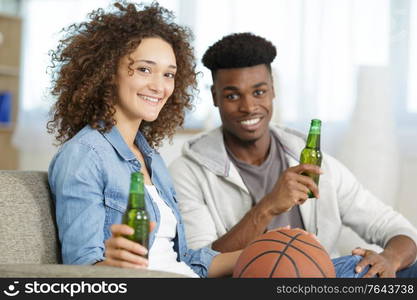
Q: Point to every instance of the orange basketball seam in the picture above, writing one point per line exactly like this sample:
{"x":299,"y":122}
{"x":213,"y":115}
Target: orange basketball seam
{"x":310,"y":244}
{"x":290,"y":244}
{"x":267,"y":252}
{"x":311,"y":259}
{"x":279,"y":258}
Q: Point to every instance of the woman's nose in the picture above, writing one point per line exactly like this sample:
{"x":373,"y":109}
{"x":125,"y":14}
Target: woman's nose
{"x":156,"y":84}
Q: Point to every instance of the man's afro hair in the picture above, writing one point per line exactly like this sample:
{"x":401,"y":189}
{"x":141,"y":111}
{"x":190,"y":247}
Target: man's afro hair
{"x":239,"y":50}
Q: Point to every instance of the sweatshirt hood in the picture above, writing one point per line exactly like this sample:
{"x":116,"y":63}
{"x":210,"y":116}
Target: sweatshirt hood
{"x":208,"y":148}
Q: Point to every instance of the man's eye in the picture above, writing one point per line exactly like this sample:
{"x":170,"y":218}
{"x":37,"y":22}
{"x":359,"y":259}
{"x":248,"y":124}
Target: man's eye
{"x":232,"y":96}
{"x":259,"y":92}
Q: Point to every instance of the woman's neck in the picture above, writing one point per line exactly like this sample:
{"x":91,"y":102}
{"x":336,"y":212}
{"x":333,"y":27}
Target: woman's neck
{"x":128,"y":130}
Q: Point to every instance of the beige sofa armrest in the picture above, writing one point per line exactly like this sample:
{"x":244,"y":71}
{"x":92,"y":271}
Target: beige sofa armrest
{"x":71,"y":271}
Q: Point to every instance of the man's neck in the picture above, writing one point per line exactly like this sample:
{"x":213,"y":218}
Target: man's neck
{"x":253,"y":152}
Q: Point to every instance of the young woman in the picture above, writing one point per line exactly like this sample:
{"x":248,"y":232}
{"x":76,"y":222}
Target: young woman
{"x":122,"y":81}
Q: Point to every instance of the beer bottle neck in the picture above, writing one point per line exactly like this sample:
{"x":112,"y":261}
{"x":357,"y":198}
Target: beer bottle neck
{"x":313,"y":141}
{"x":136,"y":191}
{"x":136,"y":200}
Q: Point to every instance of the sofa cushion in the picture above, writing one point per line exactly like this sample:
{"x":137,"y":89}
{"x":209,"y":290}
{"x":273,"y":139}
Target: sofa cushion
{"x":68,"y":271}
{"x":28,"y":232}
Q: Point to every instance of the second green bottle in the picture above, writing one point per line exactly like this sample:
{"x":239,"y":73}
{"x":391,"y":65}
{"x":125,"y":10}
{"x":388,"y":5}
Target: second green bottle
{"x":136,"y":215}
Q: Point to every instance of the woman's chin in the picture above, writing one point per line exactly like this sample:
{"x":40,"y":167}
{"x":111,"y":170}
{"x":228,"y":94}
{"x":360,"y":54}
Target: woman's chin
{"x":150,"y":118}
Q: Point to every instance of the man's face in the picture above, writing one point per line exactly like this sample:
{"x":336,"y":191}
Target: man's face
{"x":244,"y":98}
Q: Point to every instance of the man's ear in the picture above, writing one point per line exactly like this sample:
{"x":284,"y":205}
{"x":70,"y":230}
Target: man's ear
{"x":273,"y":86}
{"x":213,"y":95}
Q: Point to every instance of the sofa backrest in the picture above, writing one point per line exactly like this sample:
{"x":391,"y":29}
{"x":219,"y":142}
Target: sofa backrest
{"x":28,"y":233}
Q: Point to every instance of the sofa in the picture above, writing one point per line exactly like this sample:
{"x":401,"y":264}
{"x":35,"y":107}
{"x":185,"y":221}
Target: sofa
{"x":29,"y":244}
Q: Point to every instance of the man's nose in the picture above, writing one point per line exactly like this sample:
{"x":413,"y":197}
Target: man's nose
{"x":247,"y":104}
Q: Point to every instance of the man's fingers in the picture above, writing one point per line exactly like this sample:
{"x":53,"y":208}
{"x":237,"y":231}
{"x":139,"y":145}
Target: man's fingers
{"x":361,"y":265}
{"x":294,"y":174}
{"x":359,"y":251}
{"x":302,"y":197}
{"x":302,"y":231}
{"x":367,"y":259}
{"x":301,"y":187}
{"x":372,"y":272}
{"x":386,"y":274}
{"x":308,"y":183}
{"x":279,"y":228}
{"x":306,"y":168}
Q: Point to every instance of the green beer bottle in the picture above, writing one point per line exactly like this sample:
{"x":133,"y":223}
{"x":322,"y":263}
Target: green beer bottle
{"x":311,"y":154}
{"x":136,"y":215}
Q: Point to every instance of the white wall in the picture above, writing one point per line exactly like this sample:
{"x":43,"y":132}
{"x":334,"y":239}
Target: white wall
{"x":39,"y":160}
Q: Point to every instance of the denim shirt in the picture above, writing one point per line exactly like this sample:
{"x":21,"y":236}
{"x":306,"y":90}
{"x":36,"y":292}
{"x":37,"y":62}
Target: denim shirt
{"x":89,"y":179}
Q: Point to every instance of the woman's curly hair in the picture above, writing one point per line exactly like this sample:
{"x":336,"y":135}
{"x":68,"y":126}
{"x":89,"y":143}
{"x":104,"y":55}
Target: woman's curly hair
{"x":85,"y":63}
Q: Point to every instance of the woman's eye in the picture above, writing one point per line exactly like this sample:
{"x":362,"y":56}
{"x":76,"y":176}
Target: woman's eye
{"x":170,"y":75}
{"x":144,"y":70}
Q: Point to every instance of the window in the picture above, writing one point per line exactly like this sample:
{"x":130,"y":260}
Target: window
{"x":411,"y":106}
{"x":320,"y":44}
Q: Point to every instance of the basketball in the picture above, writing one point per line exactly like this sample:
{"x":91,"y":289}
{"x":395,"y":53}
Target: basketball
{"x":284,"y":253}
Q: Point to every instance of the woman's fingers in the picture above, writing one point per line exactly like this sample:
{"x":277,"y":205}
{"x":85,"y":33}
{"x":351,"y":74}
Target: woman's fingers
{"x":124,"y":264}
{"x":120,"y":242}
{"x":121,"y":229}
{"x":126,"y":256}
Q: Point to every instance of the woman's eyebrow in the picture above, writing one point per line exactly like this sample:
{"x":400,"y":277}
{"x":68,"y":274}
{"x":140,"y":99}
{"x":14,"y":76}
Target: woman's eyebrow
{"x":151,"y":62}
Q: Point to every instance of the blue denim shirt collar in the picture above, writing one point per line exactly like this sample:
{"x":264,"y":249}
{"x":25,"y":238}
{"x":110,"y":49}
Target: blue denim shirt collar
{"x":116,"y":140}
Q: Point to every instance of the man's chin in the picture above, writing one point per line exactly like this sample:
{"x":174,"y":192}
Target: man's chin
{"x":249,"y":139}
{"x":244,"y":137}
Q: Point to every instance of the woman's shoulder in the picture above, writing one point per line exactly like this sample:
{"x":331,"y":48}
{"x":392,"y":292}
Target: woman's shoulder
{"x":87,"y":143}
{"x":77,"y":155}
{"x":87,"y":138}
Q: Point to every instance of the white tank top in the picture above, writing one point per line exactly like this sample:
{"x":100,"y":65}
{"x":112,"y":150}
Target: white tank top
{"x":162,"y":256}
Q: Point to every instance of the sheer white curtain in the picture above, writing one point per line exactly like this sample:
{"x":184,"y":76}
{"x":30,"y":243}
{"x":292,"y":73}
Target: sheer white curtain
{"x":43,"y":21}
{"x":412,"y":71}
{"x":320,"y":43}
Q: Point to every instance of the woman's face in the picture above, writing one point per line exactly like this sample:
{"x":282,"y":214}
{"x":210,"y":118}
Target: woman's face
{"x":143,"y":93}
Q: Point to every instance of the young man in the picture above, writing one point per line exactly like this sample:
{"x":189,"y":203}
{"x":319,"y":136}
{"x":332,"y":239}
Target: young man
{"x":239,"y":180}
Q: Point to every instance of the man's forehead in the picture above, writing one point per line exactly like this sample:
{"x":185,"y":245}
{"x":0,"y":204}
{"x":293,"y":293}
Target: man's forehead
{"x":247,"y":75}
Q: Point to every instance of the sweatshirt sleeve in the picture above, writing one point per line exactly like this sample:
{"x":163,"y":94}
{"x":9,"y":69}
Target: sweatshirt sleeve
{"x":200,"y":229}
{"x":375,"y":221}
